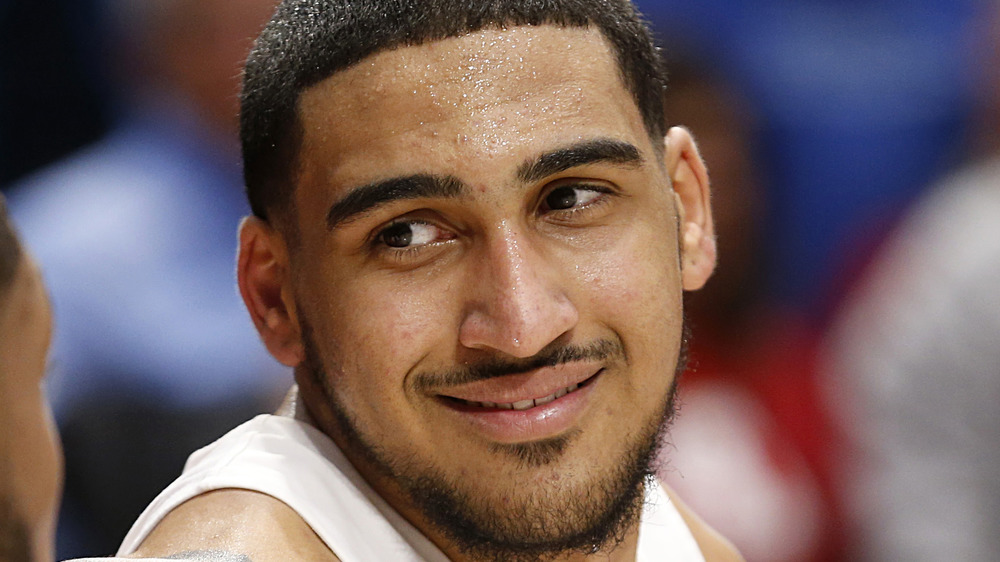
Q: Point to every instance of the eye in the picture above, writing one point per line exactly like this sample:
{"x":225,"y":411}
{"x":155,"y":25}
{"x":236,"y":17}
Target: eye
{"x":570,"y":196}
{"x":409,"y":234}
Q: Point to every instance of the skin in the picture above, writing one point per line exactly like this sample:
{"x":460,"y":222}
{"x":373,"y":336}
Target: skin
{"x":237,"y":523}
{"x":498,"y":272}
{"x":30,"y":462}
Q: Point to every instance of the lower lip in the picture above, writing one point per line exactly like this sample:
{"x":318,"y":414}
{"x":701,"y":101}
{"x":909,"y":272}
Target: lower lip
{"x":521,"y":426}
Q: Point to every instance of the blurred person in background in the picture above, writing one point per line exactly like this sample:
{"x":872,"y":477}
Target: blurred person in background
{"x":750,"y":447}
{"x":153,"y":355}
{"x":913,"y":364}
{"x":30,"y":457}
{"x":29,"y":453}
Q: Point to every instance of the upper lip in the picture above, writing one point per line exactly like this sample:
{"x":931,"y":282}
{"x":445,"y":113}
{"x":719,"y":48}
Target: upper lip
{"x":532,"y":385}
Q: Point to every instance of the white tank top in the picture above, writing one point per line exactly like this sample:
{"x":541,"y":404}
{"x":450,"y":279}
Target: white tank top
{"x":299,"y":465}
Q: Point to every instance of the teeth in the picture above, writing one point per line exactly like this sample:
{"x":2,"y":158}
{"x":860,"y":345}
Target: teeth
{"x":546,"y":400}
{"x":526,"y":404}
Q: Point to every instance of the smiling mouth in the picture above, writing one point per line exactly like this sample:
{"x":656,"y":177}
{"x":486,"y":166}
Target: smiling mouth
{"x":522,"y":405}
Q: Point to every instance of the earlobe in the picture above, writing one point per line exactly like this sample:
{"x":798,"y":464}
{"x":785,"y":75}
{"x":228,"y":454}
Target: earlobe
{"x":689,"y":179}
{"x":265,"y":285}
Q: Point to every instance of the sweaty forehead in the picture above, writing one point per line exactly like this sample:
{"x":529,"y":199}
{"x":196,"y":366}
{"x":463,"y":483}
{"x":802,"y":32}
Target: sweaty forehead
{"x":446,"y":107}
{"x":473,"y":62}
{"x":470,"y":62}
{"x":491,"y":74}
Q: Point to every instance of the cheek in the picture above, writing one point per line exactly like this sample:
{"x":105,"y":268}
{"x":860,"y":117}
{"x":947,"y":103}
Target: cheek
{"x":380,"y":335}
{"x":637,"y":272}
{"x":634,"y":289}
{"x":386,"y":330}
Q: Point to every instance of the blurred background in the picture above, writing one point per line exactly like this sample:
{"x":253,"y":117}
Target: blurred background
{"x":841,"y":399}
{"x":118,"y":151}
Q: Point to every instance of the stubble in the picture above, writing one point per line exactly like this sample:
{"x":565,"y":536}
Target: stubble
{"x":560,"y":517}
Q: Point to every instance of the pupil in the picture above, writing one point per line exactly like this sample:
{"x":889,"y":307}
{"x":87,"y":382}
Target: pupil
{"x":398,"y":235}
{"x":561,"y":198}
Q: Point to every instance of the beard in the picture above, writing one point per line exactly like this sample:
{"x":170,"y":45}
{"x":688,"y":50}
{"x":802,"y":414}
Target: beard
{"x":558,"y":518}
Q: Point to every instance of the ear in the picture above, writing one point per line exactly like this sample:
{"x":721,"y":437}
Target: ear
{"x":262,"y":270}
{"x":689,"y":180}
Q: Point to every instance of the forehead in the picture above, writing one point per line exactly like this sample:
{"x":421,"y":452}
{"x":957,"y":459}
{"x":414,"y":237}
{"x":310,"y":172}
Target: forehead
{"x":496,"y":95}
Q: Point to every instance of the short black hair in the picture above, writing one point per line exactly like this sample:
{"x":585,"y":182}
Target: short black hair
{"x":309,"y":40}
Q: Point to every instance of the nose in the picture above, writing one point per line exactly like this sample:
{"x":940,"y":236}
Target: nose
{"x":518,"y":303}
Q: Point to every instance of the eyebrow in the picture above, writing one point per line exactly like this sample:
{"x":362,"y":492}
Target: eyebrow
{"x":602,"y":150}
{"x":366,"y":198}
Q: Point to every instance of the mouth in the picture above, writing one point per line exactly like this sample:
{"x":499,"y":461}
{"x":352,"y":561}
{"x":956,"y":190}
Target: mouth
{"x":519,"y":405}
{"x":527,"y":407}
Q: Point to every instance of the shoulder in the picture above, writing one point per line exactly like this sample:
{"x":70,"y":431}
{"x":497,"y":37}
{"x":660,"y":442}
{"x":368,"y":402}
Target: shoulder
{"x":234,"y":526}
{"x":714,"y":547}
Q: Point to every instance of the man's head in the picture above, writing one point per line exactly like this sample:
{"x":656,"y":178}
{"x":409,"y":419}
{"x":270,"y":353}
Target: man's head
{"x":480,"y":287}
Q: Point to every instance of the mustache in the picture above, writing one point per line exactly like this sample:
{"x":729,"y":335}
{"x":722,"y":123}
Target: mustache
{"x":598,"y":350}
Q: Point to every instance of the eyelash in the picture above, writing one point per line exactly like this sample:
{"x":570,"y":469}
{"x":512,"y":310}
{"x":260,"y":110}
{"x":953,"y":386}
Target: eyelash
{"x":403,"y":255}
{"x":400,"y":255}
{"x":588,"y":207}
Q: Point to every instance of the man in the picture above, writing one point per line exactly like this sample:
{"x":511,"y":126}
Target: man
{"x":471,"y":238}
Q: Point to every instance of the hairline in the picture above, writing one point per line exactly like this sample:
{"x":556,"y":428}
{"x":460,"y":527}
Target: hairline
{"x":284,"y":216}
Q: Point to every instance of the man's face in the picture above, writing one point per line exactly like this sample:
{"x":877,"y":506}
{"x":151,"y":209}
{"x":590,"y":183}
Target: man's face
{"x":486,"y":277}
